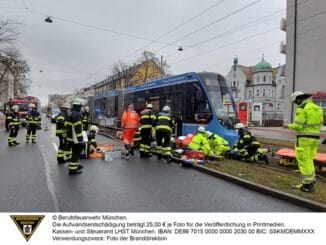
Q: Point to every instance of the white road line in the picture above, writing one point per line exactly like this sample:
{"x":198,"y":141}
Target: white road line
{"x":55,"y":146}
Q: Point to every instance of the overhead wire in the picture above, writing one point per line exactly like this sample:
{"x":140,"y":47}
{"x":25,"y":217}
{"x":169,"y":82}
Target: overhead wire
{"x":211,"y":23}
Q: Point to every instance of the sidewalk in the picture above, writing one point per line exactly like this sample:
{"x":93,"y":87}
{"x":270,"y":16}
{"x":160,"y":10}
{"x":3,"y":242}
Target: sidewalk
{"x":285,"y":130}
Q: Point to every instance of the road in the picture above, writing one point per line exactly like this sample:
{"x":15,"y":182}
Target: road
{"x":32,"y":181}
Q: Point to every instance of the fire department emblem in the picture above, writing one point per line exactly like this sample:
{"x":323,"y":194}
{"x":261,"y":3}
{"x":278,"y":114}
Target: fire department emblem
{"x":27,"y":224}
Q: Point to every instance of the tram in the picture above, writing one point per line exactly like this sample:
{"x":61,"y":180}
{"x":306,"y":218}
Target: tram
{"x":196,"y":99}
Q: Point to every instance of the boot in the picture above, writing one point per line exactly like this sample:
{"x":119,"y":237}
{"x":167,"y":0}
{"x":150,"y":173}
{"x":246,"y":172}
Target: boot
{"x":75,"y":171}
{"x":80,"y":166}
{"x":307,"y":188}
{"x":168,"y":160}
{"x":60,"y":160}
{"x":16,"y":143}
{"x":131,"y":150}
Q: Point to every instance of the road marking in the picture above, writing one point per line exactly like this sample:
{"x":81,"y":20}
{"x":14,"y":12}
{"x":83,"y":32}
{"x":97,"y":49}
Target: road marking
{"x":49,"y":181}
{"x":55,"y":146}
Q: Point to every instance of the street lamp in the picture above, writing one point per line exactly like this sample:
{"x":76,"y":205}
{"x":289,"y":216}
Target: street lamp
{"x":48,"y":19}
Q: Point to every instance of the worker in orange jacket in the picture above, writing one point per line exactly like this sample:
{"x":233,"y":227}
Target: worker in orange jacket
{"x":130,"y":124}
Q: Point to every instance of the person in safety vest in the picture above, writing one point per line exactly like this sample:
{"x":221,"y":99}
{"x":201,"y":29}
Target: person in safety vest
{"x":147,"y":118}
{"x":60,"y":131}
{"x":130,"y":124}
{"x":13,"y":126}
{"x":33,"y":122}
{"x":307,"y":123}
{"x":247,"y":144}
{"x":199,"y":142}
{"x":218,"y":145}
{"x":74,"y":128}
{"x":8,"y":118}
{"x":86,"y":120}
{"x":164,"y":125}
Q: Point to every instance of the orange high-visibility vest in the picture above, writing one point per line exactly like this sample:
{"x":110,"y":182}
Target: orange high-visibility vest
{"x":130,"y":119}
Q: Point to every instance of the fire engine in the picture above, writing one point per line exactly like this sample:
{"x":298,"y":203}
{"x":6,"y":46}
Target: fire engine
{"x":23,"y":106}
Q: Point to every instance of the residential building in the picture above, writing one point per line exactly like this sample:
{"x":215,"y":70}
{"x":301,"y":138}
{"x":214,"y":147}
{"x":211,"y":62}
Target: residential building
{"x":305,"y":51}
{"x":259,"y":84}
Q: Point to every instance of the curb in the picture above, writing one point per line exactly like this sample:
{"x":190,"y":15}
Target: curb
{"x":303,"y":202}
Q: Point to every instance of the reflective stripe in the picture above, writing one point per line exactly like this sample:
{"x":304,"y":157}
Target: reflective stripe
{"x":164,"y":127}
{"x":309,"y":124}
{"x":313,"y":135}
{"x":77,"y":123}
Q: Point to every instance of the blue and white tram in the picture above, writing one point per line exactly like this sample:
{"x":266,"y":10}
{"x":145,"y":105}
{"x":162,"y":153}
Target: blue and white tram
{"x":196,"y":99}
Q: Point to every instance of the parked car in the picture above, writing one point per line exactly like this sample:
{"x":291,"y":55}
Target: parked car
{"x":55,"y":112}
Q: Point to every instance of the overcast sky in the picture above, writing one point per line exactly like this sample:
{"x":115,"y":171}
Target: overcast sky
{"x":88,"y":36}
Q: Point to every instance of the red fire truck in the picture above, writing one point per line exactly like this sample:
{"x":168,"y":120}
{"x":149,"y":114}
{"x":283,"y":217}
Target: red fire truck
{"x":23,"y":106}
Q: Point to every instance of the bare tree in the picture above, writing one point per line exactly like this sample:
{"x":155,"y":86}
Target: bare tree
{"x":8,"y":33}
{"x":14,"y":63}
{"x":121,"y":74}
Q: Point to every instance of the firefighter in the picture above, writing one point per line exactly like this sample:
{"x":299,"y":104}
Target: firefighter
{"x":218,"y":145}
{"x":199,"y":142}
{"x":130,"y":124}
{"x":164,"y":125}
{"x":8,"y":118}
{"x":33,"y":123}
{"x":74,"y":128}
{"x":307,"y":123}
{"x":13,"y":126}
{"x":61,"y":132}
{"x":247,"y":144}
{"x":147,"y":118}
{"x":91,"y":144}
{"x":86,"y":120}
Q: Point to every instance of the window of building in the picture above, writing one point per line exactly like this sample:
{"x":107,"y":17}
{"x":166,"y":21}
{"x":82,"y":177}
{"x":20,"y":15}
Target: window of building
{"x":278,"y":106}
{"x":249,"y":93}
{"x":264,"y":78}
{"x":257,"y":93}
{"x":264,"y":92}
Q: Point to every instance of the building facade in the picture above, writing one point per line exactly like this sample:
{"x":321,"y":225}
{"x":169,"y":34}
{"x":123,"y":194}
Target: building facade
{"x":259,"y":85}
{"x":305,"y":51}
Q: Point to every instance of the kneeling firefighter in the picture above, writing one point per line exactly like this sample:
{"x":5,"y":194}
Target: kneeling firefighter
{"x":247,"y":144}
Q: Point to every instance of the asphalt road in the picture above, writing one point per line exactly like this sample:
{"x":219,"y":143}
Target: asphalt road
{"x":32,"y":181}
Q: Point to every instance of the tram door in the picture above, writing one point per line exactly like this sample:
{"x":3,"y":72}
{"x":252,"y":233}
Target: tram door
{"x":243,"y":112}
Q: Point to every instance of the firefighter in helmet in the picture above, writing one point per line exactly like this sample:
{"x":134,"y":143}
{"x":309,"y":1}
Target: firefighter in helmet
{"x":307,"y":123}
{"x":61,"y":132}
{"x":74,"y":136}
{"x":147,"y":118}
{"x":33,"y":123}
{"x":164,"y":125}
{"x":13,"y":126}
{"x":247,"y":144}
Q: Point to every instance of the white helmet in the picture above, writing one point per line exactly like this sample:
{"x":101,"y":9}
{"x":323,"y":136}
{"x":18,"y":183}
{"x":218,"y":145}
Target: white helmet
{"x":87,"y":108}
{"x":239,"y":125}
{"x":78,"y":101}
{"x":295,"y":94}
{"x":65,"y":106}
{"x":94,"y":128}
{"x":15,"y":107}
{"x":166,"y":108}
{"x":31,"y":105}
{"x":149,"y":106}
{"x":208,"y":133}
{"x":201,"y":129}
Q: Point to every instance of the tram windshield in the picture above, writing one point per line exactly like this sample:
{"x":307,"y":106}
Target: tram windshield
{"x":222,"y":102}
